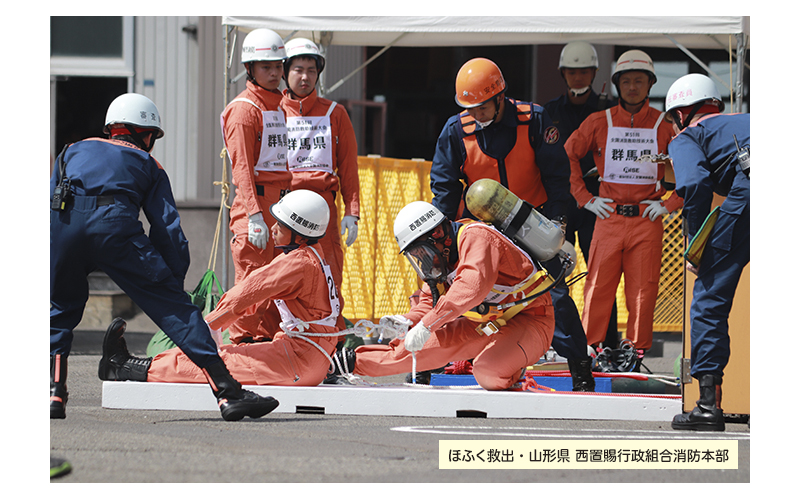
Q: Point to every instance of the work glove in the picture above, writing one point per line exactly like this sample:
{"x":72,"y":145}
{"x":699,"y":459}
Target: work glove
{"x":416,"y":337}
{"x":350,"y":224}
{"x":216,"y":335}
{"x":654,"y":210}
{"x":257,"y":232}
{"x":394,"y":326}
{"x":600,"y":207}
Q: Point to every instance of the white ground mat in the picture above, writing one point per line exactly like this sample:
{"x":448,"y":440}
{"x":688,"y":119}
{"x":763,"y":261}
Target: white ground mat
{"x":403,"y":400}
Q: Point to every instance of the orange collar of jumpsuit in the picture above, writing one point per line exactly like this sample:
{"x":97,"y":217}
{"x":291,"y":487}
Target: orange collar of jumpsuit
{"x":299,"y":107}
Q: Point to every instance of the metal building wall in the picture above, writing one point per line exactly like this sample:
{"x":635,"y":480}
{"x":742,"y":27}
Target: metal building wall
{"x":166,"y":72}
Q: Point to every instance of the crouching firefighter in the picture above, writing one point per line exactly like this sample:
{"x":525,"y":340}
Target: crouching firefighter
{"x":483,"y":298}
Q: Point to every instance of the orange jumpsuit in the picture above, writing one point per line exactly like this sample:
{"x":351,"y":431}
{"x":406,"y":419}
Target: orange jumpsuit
{"x":486,"y":258}
{"x":621,"y":244}
{"x":244,"y":132}
{"x":327,"y":180}
{"x":298,"y":279}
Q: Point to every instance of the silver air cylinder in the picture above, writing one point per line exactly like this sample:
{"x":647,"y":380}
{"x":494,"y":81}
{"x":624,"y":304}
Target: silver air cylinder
{"x":491,"y":202}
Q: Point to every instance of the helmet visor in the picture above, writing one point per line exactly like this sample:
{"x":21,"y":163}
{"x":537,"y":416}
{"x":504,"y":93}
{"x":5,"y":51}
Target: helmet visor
{"x":427,"y":261}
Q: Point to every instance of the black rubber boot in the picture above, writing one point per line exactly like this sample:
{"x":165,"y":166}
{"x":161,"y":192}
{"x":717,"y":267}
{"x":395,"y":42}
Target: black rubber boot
{"x":58,"y":386}
{"x":344,"y":359}
{"x":235,"y":403}
{"x":117,"y":363}
{"x":707,"y":415}
{"x":581,"y":371}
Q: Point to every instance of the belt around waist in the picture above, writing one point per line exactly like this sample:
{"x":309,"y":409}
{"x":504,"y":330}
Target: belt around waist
{"x":628,"y":210}
{"x":260,"y":190}
{"x":90,"y":202}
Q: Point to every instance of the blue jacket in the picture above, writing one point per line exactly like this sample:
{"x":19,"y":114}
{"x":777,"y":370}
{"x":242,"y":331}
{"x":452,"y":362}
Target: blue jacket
{"x":699,"y":150}
{"x":99,"y":167}
{"x":497,"y":141}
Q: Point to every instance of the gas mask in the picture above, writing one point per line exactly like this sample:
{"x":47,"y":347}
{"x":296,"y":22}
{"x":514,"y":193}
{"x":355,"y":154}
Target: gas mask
{"x":430,"y":263}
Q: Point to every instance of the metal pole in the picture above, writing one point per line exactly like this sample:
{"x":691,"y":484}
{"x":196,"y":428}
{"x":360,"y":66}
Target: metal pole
{"x":226,"y":83}
{"x":740,"y":51}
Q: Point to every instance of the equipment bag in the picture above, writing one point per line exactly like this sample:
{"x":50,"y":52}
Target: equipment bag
{"x":204,"y":297}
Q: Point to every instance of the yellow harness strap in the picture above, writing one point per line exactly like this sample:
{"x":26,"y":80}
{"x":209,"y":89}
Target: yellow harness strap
{"x":496,"y":315}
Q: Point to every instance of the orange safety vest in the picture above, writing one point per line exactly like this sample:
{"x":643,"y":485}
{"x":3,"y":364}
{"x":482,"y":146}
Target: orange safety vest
{"x":517,"y":171}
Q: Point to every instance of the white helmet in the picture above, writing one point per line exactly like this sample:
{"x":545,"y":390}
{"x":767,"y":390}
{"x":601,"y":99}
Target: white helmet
{"x":414,"y":220}
{"x":633,"y":60}
{"x":691,"y":89}
{"x":304,"y":212}
{"x":133,"y":109}
{"x":303,"y":47}
{"x":263,"y":45}
{"x":578,"y":55}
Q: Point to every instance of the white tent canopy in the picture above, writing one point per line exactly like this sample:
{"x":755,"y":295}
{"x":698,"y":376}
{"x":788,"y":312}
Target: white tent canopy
{"x":420,"y":31}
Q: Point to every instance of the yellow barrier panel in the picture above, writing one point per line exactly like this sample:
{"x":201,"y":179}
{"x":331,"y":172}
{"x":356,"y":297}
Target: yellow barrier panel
{"x":378,"y":281}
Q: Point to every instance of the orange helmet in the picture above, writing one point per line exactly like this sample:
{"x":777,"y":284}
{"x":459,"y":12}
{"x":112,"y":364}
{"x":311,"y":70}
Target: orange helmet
{"x":477,"y":81}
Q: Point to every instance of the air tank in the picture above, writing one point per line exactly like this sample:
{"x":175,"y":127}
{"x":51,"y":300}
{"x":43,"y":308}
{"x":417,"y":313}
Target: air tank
{"x":491,"y":202}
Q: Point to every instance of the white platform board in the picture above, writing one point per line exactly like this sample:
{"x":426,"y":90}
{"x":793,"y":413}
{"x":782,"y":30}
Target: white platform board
{"x":400,"y":400}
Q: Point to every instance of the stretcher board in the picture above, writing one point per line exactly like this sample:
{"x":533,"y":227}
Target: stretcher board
{"x":403,"y":400}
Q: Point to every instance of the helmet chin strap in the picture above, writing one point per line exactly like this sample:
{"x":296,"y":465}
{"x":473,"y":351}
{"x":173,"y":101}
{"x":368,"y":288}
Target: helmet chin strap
{"x":579,"y":92}
{"x":494,"y":117}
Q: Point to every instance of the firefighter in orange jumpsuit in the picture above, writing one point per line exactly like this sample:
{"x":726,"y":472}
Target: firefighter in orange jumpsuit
{"x":254,"y":131}
{"x":464,"y":264}
{"x":322,"y":149}
{"x":299,"y":282}
{"x":628,"y":230}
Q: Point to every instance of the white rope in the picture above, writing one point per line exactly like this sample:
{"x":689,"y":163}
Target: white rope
{"x":362,"y":328}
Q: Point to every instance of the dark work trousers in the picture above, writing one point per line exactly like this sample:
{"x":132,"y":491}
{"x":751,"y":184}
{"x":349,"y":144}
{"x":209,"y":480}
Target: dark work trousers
{"x":85,"y":237}
{"x":724,"y":258}
{"x":569,"y":338}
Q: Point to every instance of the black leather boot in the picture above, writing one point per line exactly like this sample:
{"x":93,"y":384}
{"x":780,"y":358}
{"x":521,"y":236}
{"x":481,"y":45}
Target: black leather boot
{"x":117,"y":363}
{"x":235,"y":403}
{"x":344,"y":359}
{"x":581,"y":371}
{"x":58,"y":386}
{"x":707,"y":415}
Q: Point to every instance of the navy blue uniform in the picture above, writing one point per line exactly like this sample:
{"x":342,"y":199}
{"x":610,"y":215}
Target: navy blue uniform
{"x":696,"y":153}
{"x":567,"y":117}
{"x":100,"y":229}
{"x":497,"y":141}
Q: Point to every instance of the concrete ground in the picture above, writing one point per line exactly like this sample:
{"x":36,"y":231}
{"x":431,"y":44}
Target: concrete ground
{"x":199,"y":447}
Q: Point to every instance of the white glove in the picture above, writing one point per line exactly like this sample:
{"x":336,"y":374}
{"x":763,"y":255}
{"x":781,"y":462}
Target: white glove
{"x":257,"y":231}
{"x":599,"y":207}
{"x":394,"y":326}
{"x":216,"y":335}
{"x":416,"y":337}
{"x":350,"y":224}
{"x":654,"y":210}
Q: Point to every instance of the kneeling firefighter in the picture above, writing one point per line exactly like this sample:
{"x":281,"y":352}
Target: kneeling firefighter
{"x":483,"y":299}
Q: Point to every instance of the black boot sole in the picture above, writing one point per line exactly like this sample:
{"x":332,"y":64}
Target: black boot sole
{"x":58,"y":412}
{"x":105,"y":371}
{"x":233,"y":411}
{"x":685,"y":424}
